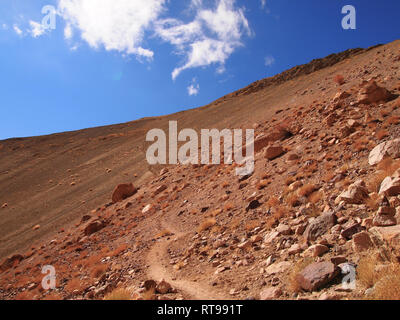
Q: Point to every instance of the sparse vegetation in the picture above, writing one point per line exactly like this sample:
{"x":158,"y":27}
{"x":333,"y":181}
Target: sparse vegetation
{"x":119,"y":294}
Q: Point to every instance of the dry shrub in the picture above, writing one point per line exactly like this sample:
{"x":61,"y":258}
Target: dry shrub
{"x":360,"y":144}
{"x":149,"y":294}
{"x":72,"y":285}
{"x":252,"y":224}
{"x":381,"y":134}
{"x":164,"y":233}
{"x":119,"y":250}
{"x":53,"y":296}
{"x":339,"y":79}
{"x":289,"y":180}
{"x":95,"y":259}
{"x":306,"y":190}
{"x":373,"y":201}
{"x":385,"y":168}
{"x":293,"y":284}
{"x":315,"y":197}
{"x":278,"y":213}
{"x":293,"y":200}
{"x":207,"y":224}
{"x":119,"y":294}
{"x":272,"y":202}
{"x":385,"y":282}
{"x":388,"y":286}
{"x":98,"y":271}
{"x":393,"y":120}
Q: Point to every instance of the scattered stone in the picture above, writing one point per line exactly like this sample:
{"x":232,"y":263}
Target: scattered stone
{"x":283,"y":229}
{"x":147,"y":208}
{"x":320,"y":226}
{"x":316,"y":250}
{"x":389,"y":148}
{"x":159,"y":190}
{"x":37,"y":227}
{"x":123,"y":191}
{"x":163,"y":287}
{"x":390,"y":186}
{"x":253,"y":205}
{"x":278,"y":267}
{"x":352,"y":229}
{"x":93,"y":227}
{"x":357,"y":193}
{"x":270,"y":293}
{"x":362,"y":241}
{"x":317,"y":275}
{"x":273,"y":152}
{"x":389,"y":235}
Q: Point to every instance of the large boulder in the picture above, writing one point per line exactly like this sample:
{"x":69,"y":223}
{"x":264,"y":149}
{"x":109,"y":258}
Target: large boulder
{"x":372,"y":93}
{"x":123,"y":191}
{"x":386,"y":149}
{"x":390,"y":186}
{"x":362,"y":241}
{"x":317,"y":275}
{"x":389,"y":235}
{"x":357,"y":193}
{"x":320,"y":226}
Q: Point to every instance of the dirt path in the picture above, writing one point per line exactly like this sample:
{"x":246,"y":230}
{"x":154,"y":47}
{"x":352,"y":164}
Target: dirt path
{"x":157,"y":259}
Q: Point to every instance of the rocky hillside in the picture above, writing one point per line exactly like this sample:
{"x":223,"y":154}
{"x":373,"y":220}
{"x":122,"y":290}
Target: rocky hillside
{"x":322,"y":206}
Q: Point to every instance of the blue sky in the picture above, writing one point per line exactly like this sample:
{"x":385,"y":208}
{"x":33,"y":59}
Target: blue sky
{"x":113,"y":61}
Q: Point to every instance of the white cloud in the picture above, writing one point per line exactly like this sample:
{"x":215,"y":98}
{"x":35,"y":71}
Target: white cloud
{"x":17,"y":30}
{"x":4,"y":26}
{"x":68,"y":33}
{"x":264,"y":6}
{"x":37,"y":29}
{"x":210,"y":38}
{"x":114,"y":24}
{"x":269,"y":61}
{"x":194,"y":88}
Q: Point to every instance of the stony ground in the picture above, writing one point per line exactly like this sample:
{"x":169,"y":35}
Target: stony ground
{"x":322,"y":205}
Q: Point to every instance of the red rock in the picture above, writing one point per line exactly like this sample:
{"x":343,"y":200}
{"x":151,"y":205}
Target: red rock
{"x":270,"y":293}
{"x":273,"y":152}
{"x":317,"y":250}
{"x":317,"y":275}
{"x":37,"y":227}
{"x":159,"y":189}
{"x":163,"y":287}
{"x":389,"y":148}
{"x":390,"y":186}
{"x":320,"y":226}
{"x":357,"y":193}
{"x":93,"y":227}
{"x":362,"y":241}
{"x":372,"y":93}
{"x":350,"y":230}
{"x":11,"y":262}
{"x":384,"y":220}
{"x":388,"y":235}
{"x":122,"y":192}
